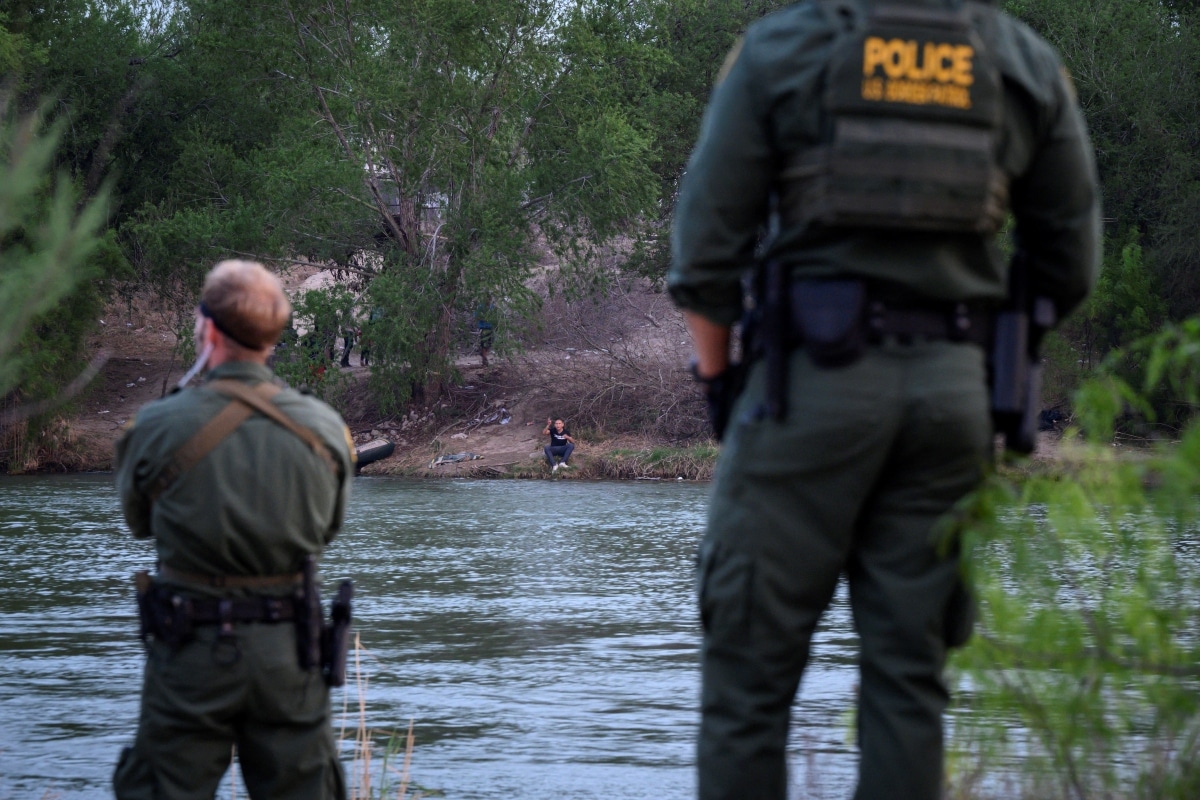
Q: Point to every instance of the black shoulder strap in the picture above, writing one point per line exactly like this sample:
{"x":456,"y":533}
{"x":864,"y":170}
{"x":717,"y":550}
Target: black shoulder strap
{"x":245,"y":401}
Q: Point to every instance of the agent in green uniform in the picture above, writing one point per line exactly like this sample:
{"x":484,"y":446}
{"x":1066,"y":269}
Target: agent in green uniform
{"x":235,"y":499}
{"x":881,"y":147}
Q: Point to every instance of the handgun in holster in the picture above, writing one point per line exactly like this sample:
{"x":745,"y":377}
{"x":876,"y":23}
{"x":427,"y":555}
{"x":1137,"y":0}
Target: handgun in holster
{"x":1015,"y":369}
{"x":335,"y":642}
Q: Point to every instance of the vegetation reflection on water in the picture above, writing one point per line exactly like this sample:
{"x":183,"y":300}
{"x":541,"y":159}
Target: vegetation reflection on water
{"x":542,"y":636}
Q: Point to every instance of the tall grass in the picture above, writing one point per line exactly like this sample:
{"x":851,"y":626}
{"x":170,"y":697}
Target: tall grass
{"x":372,"y":774}
{"x":657,"y":463}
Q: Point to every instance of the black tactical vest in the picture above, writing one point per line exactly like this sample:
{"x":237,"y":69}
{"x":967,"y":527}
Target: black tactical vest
{"x":913,"y":104}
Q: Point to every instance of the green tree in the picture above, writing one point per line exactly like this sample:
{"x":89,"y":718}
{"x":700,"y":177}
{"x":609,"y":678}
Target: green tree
{"x":48,"y":247}
{"x":434,"y":142}
{"x":1134,"y":66}
{"x":1125,"y":307}
{"x":695,"y":36}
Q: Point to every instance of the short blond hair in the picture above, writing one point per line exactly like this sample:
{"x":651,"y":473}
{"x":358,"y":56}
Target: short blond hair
{"x":246,"y":302}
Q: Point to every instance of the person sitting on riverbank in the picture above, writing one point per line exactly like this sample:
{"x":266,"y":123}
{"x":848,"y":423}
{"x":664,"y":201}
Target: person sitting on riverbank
{"x":562,"y":444}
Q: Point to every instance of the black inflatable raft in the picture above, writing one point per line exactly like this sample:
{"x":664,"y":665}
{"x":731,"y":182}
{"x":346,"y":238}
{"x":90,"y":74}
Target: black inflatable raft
{"x":374,"y":450}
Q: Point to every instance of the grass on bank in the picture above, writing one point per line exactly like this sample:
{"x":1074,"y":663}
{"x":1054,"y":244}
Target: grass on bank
{"x":639,"y":462}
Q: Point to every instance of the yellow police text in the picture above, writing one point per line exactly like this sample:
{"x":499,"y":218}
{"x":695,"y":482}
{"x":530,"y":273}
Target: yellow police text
{"x":906,"y":59}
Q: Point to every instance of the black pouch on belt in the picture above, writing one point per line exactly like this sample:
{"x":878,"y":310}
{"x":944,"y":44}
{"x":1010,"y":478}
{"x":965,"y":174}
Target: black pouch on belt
{"x":162,"y":613}
{"x":827,"y":316}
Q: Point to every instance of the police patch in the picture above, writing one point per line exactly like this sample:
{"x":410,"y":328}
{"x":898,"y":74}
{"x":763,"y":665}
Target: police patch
{"x":730,"y":60}
{"x":917,"y":73}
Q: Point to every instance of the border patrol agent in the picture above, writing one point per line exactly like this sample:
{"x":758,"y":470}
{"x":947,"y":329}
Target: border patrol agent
{"x":237,"y":482}
{"x":881,"y":146}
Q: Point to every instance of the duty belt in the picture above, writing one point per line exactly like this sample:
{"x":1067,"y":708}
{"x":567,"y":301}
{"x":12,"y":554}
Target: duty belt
{"x":230,"y":581}
{"x":171,"y":617}
{"x":826,"y":310}
{"x":958,"y":323}
{"x":213,"y":611}
{"x":835,"y":319}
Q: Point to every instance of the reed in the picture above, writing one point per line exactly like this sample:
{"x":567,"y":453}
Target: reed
{"x":369,"y":777}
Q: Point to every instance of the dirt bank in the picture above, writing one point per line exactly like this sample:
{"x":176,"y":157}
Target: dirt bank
{"x":613,"y":368}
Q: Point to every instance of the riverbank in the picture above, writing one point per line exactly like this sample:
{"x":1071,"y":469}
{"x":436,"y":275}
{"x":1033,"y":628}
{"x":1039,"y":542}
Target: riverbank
{"x":614,"y":369}
{"x":465,"y":435}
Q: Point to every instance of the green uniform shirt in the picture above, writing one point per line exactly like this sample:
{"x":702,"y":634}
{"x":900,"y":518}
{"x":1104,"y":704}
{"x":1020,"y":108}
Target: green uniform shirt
{"x":255,"y":505}
{"x":768,"y":108}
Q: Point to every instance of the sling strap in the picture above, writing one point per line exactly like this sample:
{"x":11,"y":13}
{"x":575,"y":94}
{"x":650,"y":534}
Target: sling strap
{"x":245,"y":400}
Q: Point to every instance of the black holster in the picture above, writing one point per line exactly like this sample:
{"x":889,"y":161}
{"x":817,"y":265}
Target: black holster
{"x":308,"y":616}
{"x":322,"y":646}
{"x":825,"y":317}
{"x":335,"y":641}
{"x":1014,"y":364}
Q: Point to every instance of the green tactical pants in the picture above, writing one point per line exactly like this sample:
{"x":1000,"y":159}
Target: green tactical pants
{"x":853,"y":481}
{"x":198,"y":702}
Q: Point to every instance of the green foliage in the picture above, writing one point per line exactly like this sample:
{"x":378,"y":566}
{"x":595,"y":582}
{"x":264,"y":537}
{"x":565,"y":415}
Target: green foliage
{"x":695,"y":37}
{"x":1125,"y":307}
{"x":431,"y":143}
{"x":398,"y":315}
{"x":17,"y":52}
{"x":1132,"y":62}
{"x":309,"y":355}
{"x":48,"y":246}
{"x":449,"y":142}
{"x":1084,"y":675}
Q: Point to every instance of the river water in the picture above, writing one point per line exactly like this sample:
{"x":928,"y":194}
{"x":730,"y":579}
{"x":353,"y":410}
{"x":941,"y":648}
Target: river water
{"x":542,"y":637}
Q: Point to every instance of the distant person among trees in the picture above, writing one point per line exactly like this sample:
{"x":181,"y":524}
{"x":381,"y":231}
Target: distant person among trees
{"x":348,"y":335}
{"x":485,"y":315}
{"x":562,"y":444}
{"x":364,"y":349}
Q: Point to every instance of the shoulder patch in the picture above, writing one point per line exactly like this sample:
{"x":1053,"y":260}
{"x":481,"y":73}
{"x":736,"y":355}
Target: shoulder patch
{"x":730,"y":60}
{"x":1070,"y":82}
